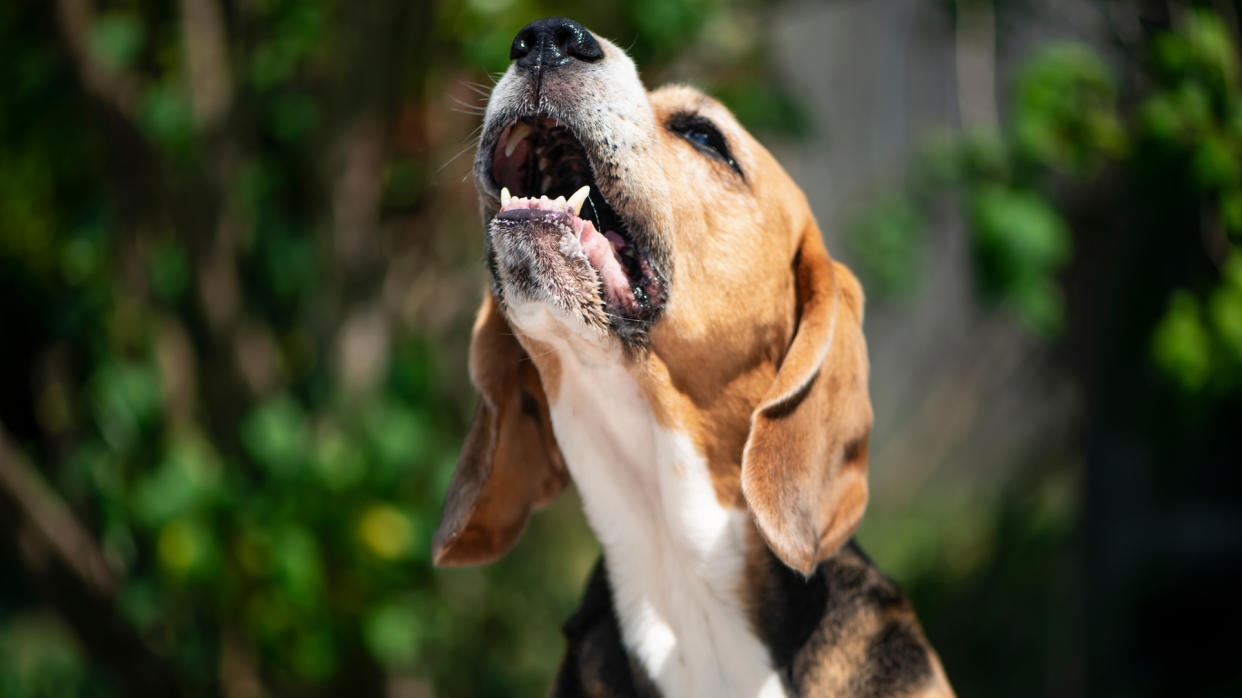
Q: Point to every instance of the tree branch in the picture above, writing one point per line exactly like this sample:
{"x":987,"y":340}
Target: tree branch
{"x":114,"y":88}
{"x":51,"y":518}
{"x":206,"y":57}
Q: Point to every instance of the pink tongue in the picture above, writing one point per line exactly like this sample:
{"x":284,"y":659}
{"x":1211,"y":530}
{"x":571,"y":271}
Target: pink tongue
{"x":600,"y":253}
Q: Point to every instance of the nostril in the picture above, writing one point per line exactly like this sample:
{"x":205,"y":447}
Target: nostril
{"x":522,"y":44}
{"x":576,"y":41}
{"x":565,"y":38}
{"x":552,"y":42}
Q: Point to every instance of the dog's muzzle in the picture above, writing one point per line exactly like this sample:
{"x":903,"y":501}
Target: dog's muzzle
{"x":555,"y":237}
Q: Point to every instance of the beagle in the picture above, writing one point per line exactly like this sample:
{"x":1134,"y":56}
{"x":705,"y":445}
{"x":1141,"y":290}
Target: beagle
{"x":665,"y":327}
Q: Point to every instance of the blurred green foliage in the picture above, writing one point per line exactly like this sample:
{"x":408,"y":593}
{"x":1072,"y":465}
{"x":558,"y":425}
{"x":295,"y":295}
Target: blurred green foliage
{"x":1069,"y":127}
{"x":180,"y":299}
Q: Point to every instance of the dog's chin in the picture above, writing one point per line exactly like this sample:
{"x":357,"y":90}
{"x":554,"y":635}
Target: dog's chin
{"x":538,"y":261}
{"x":544,"y":255}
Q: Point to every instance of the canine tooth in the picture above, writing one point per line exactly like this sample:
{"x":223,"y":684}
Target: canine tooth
{"x":505,"y":197}
{"x":516,"y":135}
{"x":578,"y":198}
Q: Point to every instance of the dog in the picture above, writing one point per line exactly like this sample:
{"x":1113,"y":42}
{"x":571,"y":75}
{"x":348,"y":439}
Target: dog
{"x":665,"y":327}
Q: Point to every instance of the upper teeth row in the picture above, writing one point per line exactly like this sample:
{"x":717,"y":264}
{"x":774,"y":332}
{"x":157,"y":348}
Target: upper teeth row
{"x":573,"y":204}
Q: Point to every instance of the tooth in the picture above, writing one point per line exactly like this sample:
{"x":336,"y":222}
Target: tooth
{"x":516,"y":135}
{"x":578,"y":198}
{"x":505,"y":197}
{"x":546,"y":183}
{"x":559,"y":202}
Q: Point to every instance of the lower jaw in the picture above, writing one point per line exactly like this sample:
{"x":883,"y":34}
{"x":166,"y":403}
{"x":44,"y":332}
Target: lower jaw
{"x":566,"y":280}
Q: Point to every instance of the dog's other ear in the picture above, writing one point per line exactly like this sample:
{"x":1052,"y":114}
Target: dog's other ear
{"x":510,"y":463}
{"x":804,"y":469}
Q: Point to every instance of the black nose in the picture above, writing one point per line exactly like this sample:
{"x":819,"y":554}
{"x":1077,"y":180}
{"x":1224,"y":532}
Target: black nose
{"x":552,"y":42}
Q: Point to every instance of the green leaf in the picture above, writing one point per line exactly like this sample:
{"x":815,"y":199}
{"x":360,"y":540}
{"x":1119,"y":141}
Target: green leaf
{"x":40,"y":657}
{"x":386,"y":532}
{"x":393,"y":633}
{"x":986,"y":155}
{"x":1210,"y":47}
{"x":186,"y":548}
{"x":289,"y":257}
{"x":1181,"y":345}
{"x":170,"y":272}
{"x":1020,"y":229}
{"x":185,"y":481}
{"x":166,"y":117}
{"x":1040,"y":306}
{"x":116,"y":39}
{"x":314,"y":655}
{"x":338,"y":461}
{"x":399,"y":435}
{"x":1216,"y":164}
{"x":1161,"y":119}
{"x":276,"y":436}
{"x":82,"y":257}
{"x":1226,"y":312}
{"x":888,"y":241}
{"x":126,"y":398}
{"x":139,"y":602}
{"x":298,"y":567}
{"x":1225,"y":307}
{"x":1231,"y":212}
{"x":292,"y":117}
{"x":1194,"y":106}
{"x":1065,"y":116}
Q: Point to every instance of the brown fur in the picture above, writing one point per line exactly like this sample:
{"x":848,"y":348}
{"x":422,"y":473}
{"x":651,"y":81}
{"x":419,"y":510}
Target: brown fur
{"x":510,"y":463}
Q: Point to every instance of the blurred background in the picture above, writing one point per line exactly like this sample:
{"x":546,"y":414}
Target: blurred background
{"x":240,"y":251}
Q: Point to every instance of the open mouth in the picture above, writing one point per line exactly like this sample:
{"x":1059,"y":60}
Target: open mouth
{"x":543,"y":172}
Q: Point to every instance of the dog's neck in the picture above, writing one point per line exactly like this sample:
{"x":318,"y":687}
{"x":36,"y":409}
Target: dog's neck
{"x":677,"y":557}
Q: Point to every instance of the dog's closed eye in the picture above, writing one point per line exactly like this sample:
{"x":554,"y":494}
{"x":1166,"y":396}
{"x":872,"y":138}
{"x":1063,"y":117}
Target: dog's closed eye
{"x":705,"y":137}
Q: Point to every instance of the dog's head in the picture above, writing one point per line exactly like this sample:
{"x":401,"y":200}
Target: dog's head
{"x":694,"y":261}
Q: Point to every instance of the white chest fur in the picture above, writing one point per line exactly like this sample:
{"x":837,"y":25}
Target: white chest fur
{"x":675,"y":556}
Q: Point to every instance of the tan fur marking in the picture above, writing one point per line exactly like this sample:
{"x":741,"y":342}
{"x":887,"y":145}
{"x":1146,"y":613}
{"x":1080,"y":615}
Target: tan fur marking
{"x":732,"y":312}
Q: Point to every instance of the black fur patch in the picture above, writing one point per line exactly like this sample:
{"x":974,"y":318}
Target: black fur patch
{"x":796,"y":609}
{"x":596,"y":664}
{"x":848,"y":606}
{"x":896,"y":662}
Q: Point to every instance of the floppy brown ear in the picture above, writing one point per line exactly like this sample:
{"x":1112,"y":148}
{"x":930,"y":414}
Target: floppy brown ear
{"x":804,"y":469}
{"x":510,"y":463}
